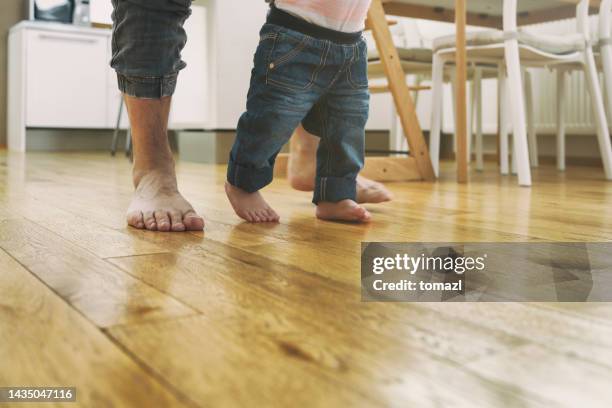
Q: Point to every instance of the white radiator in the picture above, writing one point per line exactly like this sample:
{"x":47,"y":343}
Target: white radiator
{"x":578,"y":114}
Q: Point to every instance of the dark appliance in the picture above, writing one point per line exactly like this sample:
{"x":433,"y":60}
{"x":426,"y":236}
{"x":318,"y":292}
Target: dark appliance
{"x":52,"y":10}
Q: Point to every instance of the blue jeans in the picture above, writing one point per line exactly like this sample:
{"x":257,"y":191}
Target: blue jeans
{"x":148,"y":38}
{"x":322,"y":85}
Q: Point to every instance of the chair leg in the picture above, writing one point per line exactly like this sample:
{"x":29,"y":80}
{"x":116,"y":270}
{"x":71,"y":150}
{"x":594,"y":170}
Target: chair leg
{"x":416,"y":94}
{"x":128,"y":142}
{"x":117,"y":128}
{"x":470,"y":122}
{"x":454,"y":97}
{"x":531,"y":118}
{"x":561,"y":97}
{"x":478,"y":119}
{"x":502,"y":90}
{"x":518,"y":112}
{"x":603,"y":133}
{"x":436,"y":112}
{"x":395,"y":133}
{"x":514,"y":163}
{"x":606,"y":56}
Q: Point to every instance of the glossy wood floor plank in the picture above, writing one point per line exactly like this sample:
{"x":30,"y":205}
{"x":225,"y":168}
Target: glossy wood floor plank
{"x":280,"y":365}
{"x":271,"y":314}
{"x":228,"y":282}
{"x":536,"y":368}
{"x":46,"y":343}
{"x":79,"y":229}
{"x":100,"y":291}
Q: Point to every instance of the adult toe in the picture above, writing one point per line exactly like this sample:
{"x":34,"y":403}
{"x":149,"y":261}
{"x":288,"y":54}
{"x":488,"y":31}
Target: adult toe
{"x":176,"y":220}
{"x":135,"y":219}
{"x":149,"y":220}
{"x":193,"y":222}
{"x":162,"y":220}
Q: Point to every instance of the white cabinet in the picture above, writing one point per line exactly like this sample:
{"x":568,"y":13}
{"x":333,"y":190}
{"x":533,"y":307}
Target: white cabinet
{"x":59,"y":77}
{"x":190,"y":109}
{"x":63,"y":86}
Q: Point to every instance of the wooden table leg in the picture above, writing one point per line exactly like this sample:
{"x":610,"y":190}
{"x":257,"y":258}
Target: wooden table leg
{"x":399,"y":89}
{"x":461,"y":116}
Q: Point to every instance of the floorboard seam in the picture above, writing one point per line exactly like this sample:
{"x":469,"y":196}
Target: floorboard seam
{"x":150,"y":371}
{"x":104,"y":332}
{"x":107,"y":258}
{"x":149,"y":285}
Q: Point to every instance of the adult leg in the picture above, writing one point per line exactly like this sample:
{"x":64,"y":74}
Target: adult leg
{"x":302,"y":169}
{"x":157,"y":203}
{"x":148,"y":37}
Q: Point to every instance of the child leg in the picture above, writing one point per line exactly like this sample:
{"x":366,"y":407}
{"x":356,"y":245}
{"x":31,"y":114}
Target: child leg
{"x":262,"y":132}
{"x":339,"y":119}
{"x":281,"y":94}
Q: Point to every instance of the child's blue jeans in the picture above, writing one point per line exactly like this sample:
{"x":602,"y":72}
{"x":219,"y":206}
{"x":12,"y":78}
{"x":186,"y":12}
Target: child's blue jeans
{"x":322,"y":85}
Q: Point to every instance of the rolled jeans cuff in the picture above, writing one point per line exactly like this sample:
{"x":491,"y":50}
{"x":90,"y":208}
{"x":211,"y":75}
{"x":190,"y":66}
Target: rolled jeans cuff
{"x":248,"y":179}
{"x":147,"y":87}
{"x":335,"y":189}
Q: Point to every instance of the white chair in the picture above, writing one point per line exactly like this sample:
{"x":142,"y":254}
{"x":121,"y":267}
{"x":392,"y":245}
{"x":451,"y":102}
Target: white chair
{"x":417,"y":59}
{"x":602,"y":43}
{"x":605,"y":48}
{"x":514,"y":50}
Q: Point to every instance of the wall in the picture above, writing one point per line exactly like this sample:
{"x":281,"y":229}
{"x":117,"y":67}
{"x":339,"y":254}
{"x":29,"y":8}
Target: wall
{"x":11,"y":12}
{"x":233,"y":37}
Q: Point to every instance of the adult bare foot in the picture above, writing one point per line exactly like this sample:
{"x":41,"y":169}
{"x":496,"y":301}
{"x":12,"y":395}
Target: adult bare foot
{"x":302,"y":168}
{"x":346,"y":210}
{"x":157,"y":204}
{"x":250,"y":207}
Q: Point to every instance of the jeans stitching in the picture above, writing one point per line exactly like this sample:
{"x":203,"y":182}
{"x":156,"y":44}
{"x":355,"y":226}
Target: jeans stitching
{"x":357,"y":59}
{"x":270,"y":58}
{"x":323,"y":182}
{"x":313,"y":77}
{"x":267,"y":36}
{"x":322,"y":61}
{"x":353,"y":83}
{"x":291,"y":54}
{"x":325,"y":139}
{"x":288,"y":86}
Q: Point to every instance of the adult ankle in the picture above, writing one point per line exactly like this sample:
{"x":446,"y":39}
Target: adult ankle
{"x":159,"y":171}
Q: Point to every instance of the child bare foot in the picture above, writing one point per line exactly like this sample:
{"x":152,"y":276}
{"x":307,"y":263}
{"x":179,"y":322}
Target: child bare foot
{"x":369,"y":191}
{"x":346,"y":210}
{"x":302,"y":169}
{"x":250,"y":207}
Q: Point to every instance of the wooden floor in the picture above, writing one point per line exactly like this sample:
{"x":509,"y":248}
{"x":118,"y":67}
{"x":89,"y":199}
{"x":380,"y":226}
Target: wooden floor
{"x":270,"y":315}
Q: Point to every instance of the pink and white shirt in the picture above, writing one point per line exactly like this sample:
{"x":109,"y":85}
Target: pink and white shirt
{"x":341,"y":15}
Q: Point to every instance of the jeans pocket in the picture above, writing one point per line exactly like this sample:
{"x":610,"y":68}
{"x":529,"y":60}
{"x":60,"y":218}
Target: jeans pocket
{"x":358,"y":74}
{"x":268,"y":32}
{"x":358,"y":70}
{"x":292,"y":63}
